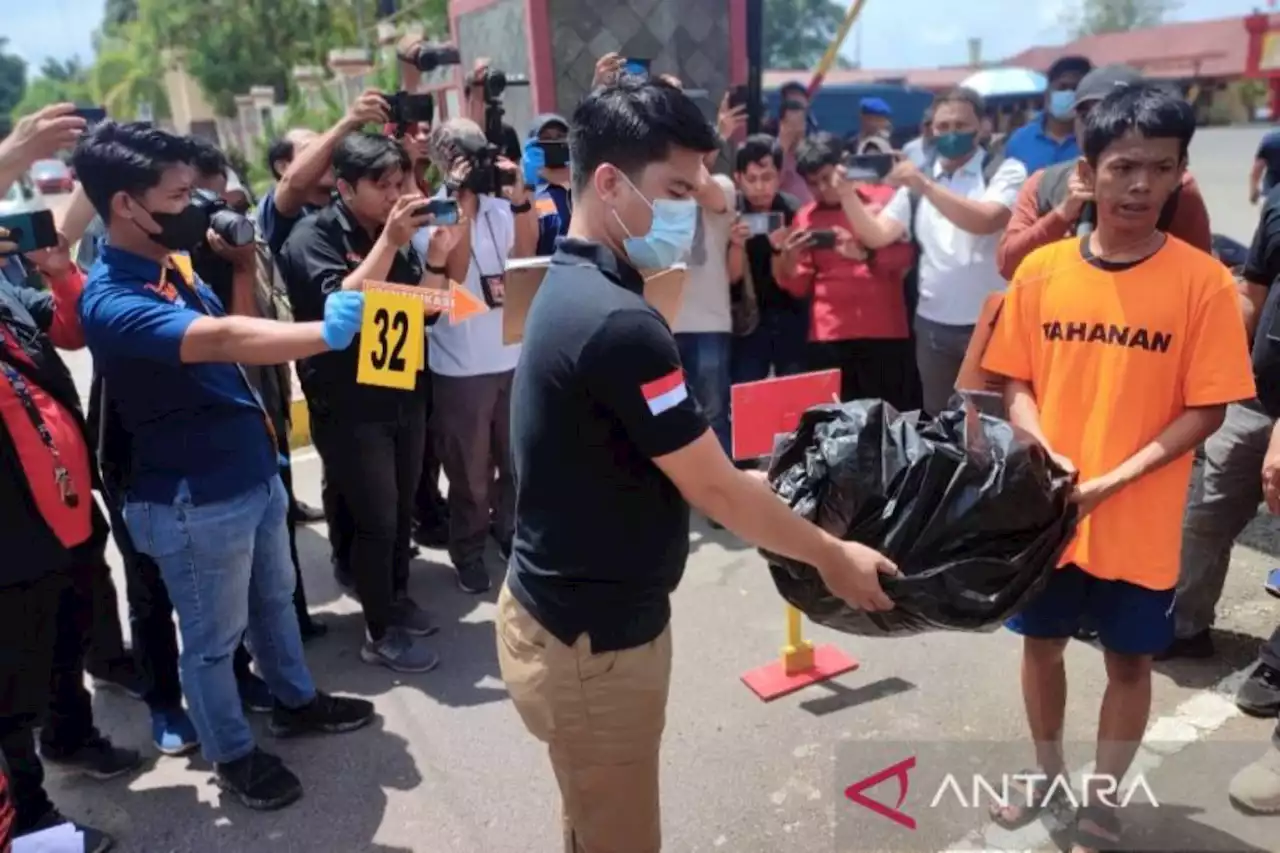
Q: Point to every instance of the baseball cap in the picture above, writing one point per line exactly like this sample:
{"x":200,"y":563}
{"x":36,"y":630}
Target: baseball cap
{"x":875,"y":107}
{"x":540,"y":123}
{"x":1100,"y":82}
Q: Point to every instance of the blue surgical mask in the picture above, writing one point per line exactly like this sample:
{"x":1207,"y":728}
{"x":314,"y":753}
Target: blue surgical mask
{"x":956,"y":144}
{"x":1062,"y":105}
{"x":670,"y":236}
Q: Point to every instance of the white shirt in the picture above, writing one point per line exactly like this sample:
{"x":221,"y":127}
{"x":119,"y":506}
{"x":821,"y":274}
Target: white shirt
{"x":957,"y":269}
{"x":474,"y":347}
{"x":704,"y":305}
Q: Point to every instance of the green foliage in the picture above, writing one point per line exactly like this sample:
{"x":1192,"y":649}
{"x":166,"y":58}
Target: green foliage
{"x":798,"y":32}
{"x":1091,"y":17}
{"x":13,"y":84}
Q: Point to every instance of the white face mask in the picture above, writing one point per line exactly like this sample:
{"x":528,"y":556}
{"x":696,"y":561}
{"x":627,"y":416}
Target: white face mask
{"x":670,"y":236}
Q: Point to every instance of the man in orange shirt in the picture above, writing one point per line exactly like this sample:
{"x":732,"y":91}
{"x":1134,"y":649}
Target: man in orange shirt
{"x":1122,"y":350}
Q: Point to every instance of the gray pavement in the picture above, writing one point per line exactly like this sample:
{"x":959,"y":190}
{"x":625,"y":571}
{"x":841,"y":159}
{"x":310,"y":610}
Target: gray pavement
{"x":449,"y":768}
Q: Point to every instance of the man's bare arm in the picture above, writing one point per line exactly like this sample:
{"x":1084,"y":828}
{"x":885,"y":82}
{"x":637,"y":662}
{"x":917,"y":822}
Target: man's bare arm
{"x":250,"y":340}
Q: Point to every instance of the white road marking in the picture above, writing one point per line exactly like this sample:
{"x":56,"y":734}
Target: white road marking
{"x":1193,"y":720}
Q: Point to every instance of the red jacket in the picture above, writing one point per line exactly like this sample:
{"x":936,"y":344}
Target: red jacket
{"x":852,"y":300}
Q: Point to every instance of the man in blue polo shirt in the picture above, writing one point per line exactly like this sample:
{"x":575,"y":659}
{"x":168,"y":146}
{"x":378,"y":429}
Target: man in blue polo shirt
{"x":203,"y":496}
{"x":546,"y":167}
{"x":1050,"y":137}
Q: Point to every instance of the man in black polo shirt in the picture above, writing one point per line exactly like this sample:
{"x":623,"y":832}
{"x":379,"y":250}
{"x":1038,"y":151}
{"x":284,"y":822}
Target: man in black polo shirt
{"x":371,"y":439}
{"x":610,"y":450}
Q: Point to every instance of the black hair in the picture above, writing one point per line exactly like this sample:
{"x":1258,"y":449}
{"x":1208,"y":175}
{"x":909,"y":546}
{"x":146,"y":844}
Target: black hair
{"x":959,"y":95}
{"x":814,"y":153}
{"x":755,"y":148}
{"x":363,"y":154}
{"x":793,"y":86}
{"x":633,"y":124}
{"x":130,"y":158}
{"x":1148,"y":109}
{"x":279,"y":149}
{"x":208,"y":158}
{"x":790,"y":106}
{"x":1069,"y":65}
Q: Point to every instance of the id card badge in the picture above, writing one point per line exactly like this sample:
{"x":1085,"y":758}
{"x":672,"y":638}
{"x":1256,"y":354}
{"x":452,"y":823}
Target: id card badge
{"x":495,"y":289}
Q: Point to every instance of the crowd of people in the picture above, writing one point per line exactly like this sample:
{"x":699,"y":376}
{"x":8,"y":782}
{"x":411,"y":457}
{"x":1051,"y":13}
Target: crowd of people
{"x":575,"y":456}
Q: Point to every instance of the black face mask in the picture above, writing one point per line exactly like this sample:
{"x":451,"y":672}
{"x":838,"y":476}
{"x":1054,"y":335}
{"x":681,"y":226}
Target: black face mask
{"x":182,"y":231}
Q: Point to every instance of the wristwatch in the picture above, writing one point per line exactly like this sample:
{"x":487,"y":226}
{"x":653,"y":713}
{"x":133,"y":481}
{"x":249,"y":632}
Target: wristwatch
{"x":522,"y":208}
{"x":436,"y":270}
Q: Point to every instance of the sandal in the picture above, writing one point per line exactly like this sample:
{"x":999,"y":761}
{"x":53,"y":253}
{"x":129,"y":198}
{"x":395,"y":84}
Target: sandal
{"x":1097,"y":828}
{"x":1035,"y":800}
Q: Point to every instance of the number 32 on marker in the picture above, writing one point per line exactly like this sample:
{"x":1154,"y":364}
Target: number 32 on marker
{"x":391,"y":340}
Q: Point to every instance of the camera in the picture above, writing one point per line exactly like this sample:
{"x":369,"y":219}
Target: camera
{"x":235,"y":228}
{"x":432,"y":56}
{"x":495,"y":83}
{"x":406,"y":108}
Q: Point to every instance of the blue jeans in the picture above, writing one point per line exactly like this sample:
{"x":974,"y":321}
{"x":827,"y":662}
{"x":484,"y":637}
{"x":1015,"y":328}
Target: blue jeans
{"x":228,"y":570}
{"x":779,"y":343}
{"x":705,"y":356}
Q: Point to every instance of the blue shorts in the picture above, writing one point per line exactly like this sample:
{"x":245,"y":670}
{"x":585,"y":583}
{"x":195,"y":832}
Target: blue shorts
{"x":1129,"y":619}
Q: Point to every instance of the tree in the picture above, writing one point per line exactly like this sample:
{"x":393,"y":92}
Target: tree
{"x":118,"y":13}
{"x":1092,"y":17}
{"x":13,"y":84}
{"x":798,"y":32}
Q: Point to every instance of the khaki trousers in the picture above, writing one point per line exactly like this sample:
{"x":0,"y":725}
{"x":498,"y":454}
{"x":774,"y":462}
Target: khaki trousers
{"x":601,"y":716}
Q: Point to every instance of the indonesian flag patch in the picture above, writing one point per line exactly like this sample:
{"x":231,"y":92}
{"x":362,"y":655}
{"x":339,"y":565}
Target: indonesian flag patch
{"x":666,"y":393}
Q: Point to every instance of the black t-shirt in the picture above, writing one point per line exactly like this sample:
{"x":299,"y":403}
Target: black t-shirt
{"x":602,"y":535}
{"x":1263,"y":264}
{"x":1269,"y":153}
{"x":321,"y":251}
{"x":769,"y":296}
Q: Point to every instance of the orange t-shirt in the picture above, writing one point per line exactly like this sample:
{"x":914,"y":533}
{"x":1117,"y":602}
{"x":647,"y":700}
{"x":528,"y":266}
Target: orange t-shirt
{"x":1114,"y":356}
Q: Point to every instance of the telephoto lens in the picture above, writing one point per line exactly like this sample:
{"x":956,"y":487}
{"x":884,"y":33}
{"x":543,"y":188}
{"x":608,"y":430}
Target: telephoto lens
{"x":233,"y":227}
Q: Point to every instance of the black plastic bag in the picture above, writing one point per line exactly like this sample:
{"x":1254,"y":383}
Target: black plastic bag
{"x":973,"y":511}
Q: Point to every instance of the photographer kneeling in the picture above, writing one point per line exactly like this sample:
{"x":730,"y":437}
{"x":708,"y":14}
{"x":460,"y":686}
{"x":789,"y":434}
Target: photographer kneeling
{"x":471,"y":367}
{"x":371,"y":439}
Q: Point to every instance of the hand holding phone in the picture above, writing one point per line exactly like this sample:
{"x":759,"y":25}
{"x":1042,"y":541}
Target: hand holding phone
{"x":633,"y":67}
{"x":29,"y":232}
{"x":822,"y":239}
{"x":555,"y":154}
{"x":870,"y":168}
{"x":762,"y":224}
{"x":443,"y":211}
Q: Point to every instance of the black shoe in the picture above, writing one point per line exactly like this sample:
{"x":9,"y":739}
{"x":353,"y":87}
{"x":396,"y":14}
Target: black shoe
{"x":95,"y":840}
{"x":96,"y":757}
{"x":324,"y":715}
{"x":1196,"y":647}
{"x":120,"y":675}
{"x":312,"y":629}
{"x":259,"y":781}
{"x":1259,"y":696}
{"x":433,"y":533}
{"x":473,"y":577}
{"x":301,"y":513}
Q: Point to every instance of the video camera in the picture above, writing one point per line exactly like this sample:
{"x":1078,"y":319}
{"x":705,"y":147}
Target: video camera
{"x":485,"y":177}
{"x":496,"y":83}
{"x":235,"y":228}
{"x":432,"y":56}
{"x":406,"y":108}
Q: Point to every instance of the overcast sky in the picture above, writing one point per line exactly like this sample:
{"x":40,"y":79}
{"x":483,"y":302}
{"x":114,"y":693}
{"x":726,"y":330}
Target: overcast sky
{"x":893,"y":35}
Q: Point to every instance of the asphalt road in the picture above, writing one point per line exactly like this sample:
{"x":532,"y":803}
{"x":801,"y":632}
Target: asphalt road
{"x":449,"y":768}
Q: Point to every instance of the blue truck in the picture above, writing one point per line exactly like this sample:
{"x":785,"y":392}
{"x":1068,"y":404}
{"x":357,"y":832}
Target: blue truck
{"x":835,"y":109}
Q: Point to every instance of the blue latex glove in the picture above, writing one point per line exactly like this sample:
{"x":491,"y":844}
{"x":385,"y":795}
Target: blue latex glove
{"x":533,"y":161}
{"x":343,"y":312}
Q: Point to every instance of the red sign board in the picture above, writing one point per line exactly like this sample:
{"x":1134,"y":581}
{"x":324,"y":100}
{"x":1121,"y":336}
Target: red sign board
{"x":764,"y":410}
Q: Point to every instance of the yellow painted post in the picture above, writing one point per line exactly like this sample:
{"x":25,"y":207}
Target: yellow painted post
{"x":833,"y":49}
{"x":797,"y":654}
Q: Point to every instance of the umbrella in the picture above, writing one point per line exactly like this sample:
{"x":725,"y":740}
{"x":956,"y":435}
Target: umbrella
{"x":994,"y":82}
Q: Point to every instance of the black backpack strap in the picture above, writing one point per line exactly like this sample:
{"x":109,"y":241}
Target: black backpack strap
{"x":1169,"y":210}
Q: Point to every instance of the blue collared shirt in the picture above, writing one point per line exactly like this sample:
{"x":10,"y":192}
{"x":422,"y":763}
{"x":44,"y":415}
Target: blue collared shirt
{"x":1036,"y":149}
{"x":196,"y":428}
{"x":552,"y":224}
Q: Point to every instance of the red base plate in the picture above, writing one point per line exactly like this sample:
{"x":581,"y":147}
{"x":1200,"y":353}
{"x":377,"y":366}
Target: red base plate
{"x":771,"y":681}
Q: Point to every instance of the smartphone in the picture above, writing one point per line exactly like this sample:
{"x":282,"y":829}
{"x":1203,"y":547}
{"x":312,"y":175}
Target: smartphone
{"x":872,"y":168}
{"x":636,"y":67}
{"x":737,"y":97}
{"x":445,"y":210}
{"x":556,"y":154}
{"x":92,"y":115}
{"x":31,"y":231}
{"x":763,"y":223}
{"x":822,"y":239}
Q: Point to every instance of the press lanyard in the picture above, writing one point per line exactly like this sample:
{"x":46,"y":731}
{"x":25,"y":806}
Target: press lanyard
{"x":62,"y":477}
{"x":493,"y":243}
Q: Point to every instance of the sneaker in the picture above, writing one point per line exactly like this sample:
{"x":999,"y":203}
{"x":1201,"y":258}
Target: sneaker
{"x":259,"y":781}
{"x":1259,"y":696}
{"x":97,"y":757}
{"x":255,"y":695}
{"x":409,"y":617}
{"x":473,"y":577}
{"x":172,"y":732}
{"x":1196,"y":647}
{"x":325,"y":714}
{"x":1256,"y":788}
{"x":95,"y":840}
{"x":1272,"y":586}
{"x":399,"y":651}
{"x":121,"y":676}
{"x":1086,"y":635}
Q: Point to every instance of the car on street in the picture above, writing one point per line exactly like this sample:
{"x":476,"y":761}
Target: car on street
{"x":52,"y":176}
{"x":21,"y":197}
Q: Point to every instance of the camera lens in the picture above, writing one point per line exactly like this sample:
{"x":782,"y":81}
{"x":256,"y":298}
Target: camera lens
{"x":236,"y":229}
{"x":432,"y":56}
{"x":495,"y":83}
